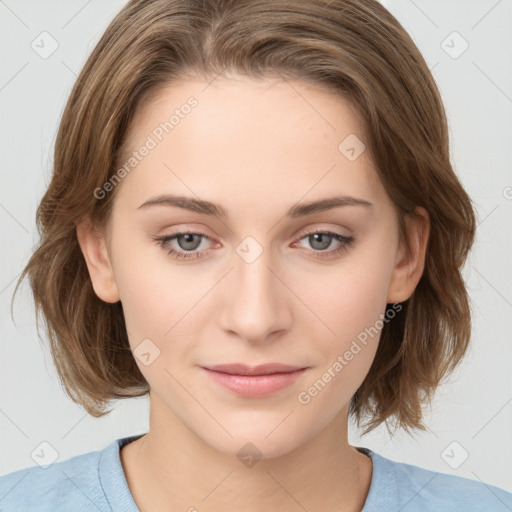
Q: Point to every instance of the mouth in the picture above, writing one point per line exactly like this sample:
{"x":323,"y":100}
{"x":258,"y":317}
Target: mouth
{"x":261,"y":369}
{"x":255,"y":381}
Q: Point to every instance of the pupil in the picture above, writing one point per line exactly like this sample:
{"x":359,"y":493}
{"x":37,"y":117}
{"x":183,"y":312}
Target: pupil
{"x":189,"y":241}
{"x":317,"y":238}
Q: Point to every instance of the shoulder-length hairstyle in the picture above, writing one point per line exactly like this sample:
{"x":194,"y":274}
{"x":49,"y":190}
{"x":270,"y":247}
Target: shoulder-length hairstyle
{"x":355,"y":48}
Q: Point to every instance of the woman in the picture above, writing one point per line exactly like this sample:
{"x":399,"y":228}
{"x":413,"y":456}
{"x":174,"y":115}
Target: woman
{"x":253,"y":218}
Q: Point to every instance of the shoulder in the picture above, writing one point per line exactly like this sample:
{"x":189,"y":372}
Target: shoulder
{"x":73,"y":482}
{"x":441,"y":491}
{"x":415,"y":489}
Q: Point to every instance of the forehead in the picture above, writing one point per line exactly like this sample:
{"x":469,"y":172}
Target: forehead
{"x":243,"y":141}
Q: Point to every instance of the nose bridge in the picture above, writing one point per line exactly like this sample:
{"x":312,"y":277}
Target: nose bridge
{"x":254,"y":308}
{"x":255,"y":283}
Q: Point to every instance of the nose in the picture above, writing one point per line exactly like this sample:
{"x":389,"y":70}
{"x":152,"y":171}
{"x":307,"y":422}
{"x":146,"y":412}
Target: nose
{"x":256,"y":301}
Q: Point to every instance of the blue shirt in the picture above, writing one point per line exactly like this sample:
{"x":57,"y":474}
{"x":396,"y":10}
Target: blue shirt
{"x":95,"y":481}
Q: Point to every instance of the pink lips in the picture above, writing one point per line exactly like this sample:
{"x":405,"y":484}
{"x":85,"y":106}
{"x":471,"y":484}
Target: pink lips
{"x":254,"y":381}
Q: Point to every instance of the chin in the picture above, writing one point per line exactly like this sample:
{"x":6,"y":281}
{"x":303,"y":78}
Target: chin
{"x":257,"y":440}
{"x":251,"y":449}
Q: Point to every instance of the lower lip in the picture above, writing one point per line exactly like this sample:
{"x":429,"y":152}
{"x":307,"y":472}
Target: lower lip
{"x":253,"y":386}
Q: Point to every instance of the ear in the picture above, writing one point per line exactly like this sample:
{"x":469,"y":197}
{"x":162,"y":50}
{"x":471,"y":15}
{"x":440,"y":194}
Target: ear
{"x":409,"y":265}
{"x":96,"y":256}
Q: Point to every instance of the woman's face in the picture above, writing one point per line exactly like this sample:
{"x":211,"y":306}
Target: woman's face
{"x":253,"y":284}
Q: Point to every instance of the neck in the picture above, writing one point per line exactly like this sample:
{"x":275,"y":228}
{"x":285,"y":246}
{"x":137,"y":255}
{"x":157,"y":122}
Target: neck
{"x":171,"y":468}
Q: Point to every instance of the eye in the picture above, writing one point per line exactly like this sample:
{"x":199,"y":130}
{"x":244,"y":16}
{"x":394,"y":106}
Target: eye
{"x":188,"y":243}
{"x":322,"y":240}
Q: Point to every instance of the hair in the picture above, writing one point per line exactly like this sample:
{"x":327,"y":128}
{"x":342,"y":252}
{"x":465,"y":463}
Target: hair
{"x":355,"y":48}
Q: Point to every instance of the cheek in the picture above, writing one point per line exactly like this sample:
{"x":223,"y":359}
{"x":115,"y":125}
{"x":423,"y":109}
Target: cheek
{"x":349,"y":297}
{"x":155,"y":293}
{"x":160,"y":310}
{"x":346,"y":340}
{"x":350,"y":306}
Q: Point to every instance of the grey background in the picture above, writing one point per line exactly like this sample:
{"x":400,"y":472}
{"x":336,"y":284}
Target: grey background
{"x":472,"y":411}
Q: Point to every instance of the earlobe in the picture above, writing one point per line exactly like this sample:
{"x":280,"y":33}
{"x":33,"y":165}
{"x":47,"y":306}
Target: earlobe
{"x":410,"y":263}
{"x":93,"y":246}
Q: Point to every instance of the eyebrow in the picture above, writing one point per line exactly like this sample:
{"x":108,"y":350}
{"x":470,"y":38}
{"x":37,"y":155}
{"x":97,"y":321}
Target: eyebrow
{"x":209,"y":208}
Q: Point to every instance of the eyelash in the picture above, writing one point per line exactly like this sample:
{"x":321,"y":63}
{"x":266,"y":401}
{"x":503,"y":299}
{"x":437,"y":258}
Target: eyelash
{"x":346,"y":241}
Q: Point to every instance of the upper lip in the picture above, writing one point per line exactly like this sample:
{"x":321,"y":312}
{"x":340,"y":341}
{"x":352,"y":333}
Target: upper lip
{"x":261,"y":369}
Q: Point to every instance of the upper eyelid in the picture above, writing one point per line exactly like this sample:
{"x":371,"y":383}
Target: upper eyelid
{"x":307,"y":230}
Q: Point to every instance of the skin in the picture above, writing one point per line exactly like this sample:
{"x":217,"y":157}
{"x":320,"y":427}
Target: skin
{"x":256,"y":147}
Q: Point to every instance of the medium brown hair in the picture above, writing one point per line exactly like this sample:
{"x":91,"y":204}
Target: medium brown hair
{"x":354,"y":48}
